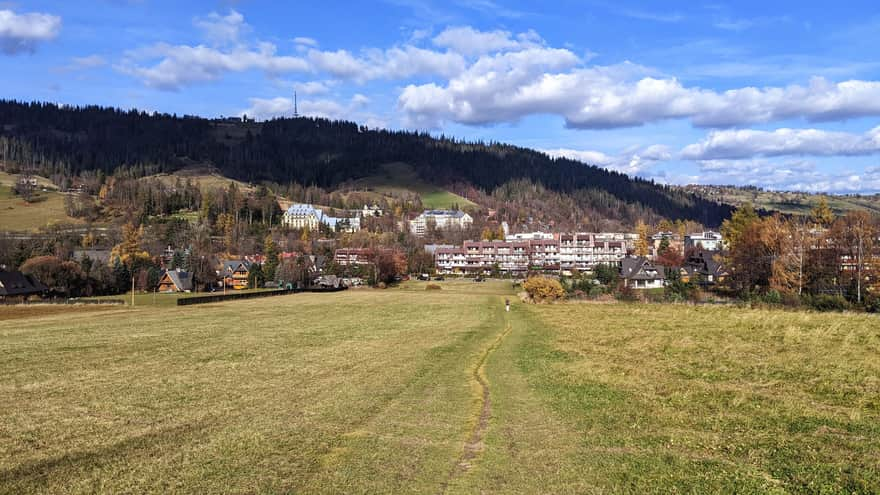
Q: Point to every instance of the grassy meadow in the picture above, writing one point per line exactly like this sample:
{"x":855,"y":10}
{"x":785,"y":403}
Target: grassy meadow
{"x":18,"y":215}
{"x":407,"y":390}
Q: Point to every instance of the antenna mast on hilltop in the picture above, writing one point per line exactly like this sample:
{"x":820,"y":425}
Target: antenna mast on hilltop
{"x":295,"y":112}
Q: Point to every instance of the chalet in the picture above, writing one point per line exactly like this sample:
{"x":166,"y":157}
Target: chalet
{"x":235,"y":274}
{"x":642,"y":273}
{"x":16,"y":285}
{"x":175,"y":281}
{"x":703,"y":268}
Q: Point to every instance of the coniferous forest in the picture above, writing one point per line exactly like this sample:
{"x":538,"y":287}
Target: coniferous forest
{"x":67,"y":141}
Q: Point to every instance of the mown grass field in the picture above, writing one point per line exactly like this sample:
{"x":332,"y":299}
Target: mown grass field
{"x":371,"y":391}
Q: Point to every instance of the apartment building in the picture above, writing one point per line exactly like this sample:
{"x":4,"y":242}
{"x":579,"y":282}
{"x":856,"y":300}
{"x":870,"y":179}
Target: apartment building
{"x":440,"y":219}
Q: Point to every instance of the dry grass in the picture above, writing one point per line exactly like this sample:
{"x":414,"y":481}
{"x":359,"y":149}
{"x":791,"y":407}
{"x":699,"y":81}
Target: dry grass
{"x":348,"y":392}
{"x":372,"y":391}
{"x":681,"y":399}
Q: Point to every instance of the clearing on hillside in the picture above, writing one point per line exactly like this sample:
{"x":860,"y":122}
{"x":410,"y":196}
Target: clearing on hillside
{"x":46,"y":209}
{"x":408,"y":390}
{"x":401,"y":178}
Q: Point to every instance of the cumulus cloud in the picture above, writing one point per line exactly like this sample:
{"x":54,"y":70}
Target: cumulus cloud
{"x":469,"y":41}
{"x":509,"y":85}
{"x":748,"y":143}
{"x":180,"y":65}
{"x":633,"y":161}
{"x":222,"y":29}
{"x":353,"y":109}
{"x":393,"y":63}
{"x":171,"y":67}
{"x":787,"y":175}
{"x":21,"y":33}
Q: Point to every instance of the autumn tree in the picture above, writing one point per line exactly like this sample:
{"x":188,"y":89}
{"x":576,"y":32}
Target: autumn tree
{"x":130,"y":251}
{"x":642,"y":242}
{"x":821,"y":214}
{"x":64,"y":277}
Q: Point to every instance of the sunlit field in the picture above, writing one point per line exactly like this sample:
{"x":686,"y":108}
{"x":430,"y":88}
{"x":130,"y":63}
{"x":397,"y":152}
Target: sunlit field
{"x":429,"y":391}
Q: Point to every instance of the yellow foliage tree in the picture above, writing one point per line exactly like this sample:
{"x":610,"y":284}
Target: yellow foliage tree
{"x":822,"y":214}
{"x":642,"y":242}
{"x":543,"y":289}
{"x":129,"y":251}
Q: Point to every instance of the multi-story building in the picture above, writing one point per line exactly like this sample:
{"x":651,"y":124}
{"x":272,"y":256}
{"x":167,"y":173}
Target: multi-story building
{"x":440,"y":219}
{"x":505,"y":256}
{"x":451,"y":260}
{"x":708,"y":241}
{"x":566,"y":253}
{"x":529,"y":236}
{"x":583,"y":251}
{"x":302,"y":216}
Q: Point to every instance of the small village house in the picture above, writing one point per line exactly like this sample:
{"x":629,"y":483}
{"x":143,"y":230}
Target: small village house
{"x":642,"y":273}
{"x":15,"y":285}
{"x":175,"y":281}
{"x":235,"y":274}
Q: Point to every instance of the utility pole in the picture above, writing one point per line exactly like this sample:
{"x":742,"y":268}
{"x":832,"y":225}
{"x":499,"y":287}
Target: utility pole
{"x":132,"y":288}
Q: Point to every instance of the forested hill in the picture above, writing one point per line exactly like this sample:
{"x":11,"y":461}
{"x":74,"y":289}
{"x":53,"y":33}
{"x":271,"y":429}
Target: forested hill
{"x":61,"y":140}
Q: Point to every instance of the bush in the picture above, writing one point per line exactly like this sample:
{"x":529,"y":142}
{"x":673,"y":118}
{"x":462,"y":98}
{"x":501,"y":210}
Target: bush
{"x":433,"y":287}
{"x":872,"y":304}
{"x":543,"y":289}
{"x":825,"y":302}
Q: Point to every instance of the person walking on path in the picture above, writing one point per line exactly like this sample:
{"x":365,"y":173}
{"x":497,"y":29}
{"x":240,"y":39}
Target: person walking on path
{"x":507,"y":305}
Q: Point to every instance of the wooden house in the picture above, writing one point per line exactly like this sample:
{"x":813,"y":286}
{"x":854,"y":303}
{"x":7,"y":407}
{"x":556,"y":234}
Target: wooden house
{"x":235,"y":274}
{"x":175,"y":281}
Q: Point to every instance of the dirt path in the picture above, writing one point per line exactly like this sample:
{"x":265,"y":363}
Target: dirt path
{"x":474,"y":443}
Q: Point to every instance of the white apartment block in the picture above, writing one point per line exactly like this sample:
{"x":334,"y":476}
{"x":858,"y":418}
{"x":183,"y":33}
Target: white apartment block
{"x":583,"y":251}
{"x":441,"y":219}
{"x":564,"y":253}
{"x":708,"y":241}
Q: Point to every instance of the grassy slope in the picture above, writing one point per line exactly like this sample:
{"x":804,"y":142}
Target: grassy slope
{"x":17,"y":215}
{"x":798,"y":203}
{"x":400,"y":177}
{"x":372,"y":392}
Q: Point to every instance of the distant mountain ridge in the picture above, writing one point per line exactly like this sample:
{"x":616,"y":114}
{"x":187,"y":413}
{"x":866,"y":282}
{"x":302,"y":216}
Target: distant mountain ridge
{"x":71,"y":140}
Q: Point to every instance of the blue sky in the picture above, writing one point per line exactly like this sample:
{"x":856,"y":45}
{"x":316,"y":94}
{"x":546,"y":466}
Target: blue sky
{"x":782,"y":95}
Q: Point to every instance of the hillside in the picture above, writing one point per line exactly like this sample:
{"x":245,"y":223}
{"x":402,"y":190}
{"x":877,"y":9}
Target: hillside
{"x":400,"y":178}
{"x":788,"y":202}
{"x":73,"y":140}
{"x":47,"y":207}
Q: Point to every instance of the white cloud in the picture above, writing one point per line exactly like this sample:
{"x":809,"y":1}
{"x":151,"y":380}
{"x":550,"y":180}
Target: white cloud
{"x":791,"y":175}
{"x":393,"y":63}
{"x":221,"y":30}
{"x":21,"y":33}
{"x":302,"y":40}
{"x":269,"y":108}
{"x":748,"y":143}
{"x":313,"y":87}
{"x":469,"y":41}
{"x":622,"y":95}
{"x":633,"y":161}
{"x":180,"y":65}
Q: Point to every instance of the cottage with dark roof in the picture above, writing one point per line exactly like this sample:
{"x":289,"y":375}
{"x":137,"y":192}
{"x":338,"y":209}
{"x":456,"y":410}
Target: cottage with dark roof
{"x":642,"y":273}
{"x":175,"y":281}
{"x":17,"y":285}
